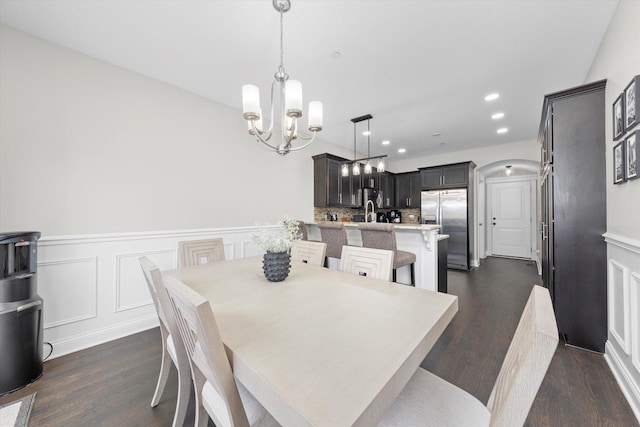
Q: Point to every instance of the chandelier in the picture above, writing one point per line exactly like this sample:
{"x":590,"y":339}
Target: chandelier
{"x":355,"y":165}
{"x":290,"y":101}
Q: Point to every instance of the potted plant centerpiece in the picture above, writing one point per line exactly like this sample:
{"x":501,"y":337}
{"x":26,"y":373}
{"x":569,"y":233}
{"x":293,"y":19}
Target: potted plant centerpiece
{"x":277,"y":260}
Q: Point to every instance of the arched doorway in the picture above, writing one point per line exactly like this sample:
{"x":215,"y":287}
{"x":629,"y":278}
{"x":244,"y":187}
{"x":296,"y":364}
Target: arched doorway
{"x":513,"y":181}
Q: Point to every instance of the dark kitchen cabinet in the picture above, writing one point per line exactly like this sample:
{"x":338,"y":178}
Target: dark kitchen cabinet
{"x":326,"y":180}
{"x":388,"y":188}
{"x":573,"y":212}
{"x":446,"y":176}
{"x":351,"y":190}
{"x":330,"y":188}
{"x":408,"y":190}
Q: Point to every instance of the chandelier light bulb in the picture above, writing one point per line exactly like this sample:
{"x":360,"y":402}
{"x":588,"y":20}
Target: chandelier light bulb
{"x":367,"y":168}
{"x":293,"y":98}
{"x":356,"y":169}
{"x":315,"y":116}
{"x":345,"y":170}
{"x":250,"y":101}
{"x":380,"y":165}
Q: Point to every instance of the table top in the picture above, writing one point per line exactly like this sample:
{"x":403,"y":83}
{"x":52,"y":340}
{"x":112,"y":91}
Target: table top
{"x":323,"y":347}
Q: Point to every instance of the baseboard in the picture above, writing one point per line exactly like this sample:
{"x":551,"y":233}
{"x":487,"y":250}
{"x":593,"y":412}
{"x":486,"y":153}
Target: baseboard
{"x":629,"y":387}
{"x":101,"y":336}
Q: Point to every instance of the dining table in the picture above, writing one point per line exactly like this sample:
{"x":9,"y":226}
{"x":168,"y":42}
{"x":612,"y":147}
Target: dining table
{"x":323,"y":347}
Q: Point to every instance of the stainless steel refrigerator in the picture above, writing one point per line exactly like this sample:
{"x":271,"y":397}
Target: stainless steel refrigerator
{"x":449,"y":209}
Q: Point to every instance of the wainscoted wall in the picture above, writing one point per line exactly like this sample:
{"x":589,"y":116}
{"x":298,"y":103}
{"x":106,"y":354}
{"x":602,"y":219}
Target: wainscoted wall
{"x":93,"y":287}
{"x":623,"y":345}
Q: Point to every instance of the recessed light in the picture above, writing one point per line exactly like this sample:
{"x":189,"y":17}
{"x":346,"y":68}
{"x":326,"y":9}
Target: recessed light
{"x":502,"y":130}
{"x":386,"y":142}
{"x":492,"y":97}
{"x":402,"y":150}
{"x":336,"y":55}
{"x":366,"y":133}
{"x":497,"y":116}
{"x":436,"y":134}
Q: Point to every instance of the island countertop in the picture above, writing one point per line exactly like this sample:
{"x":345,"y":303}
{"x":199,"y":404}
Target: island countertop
{"x":420,"y":227}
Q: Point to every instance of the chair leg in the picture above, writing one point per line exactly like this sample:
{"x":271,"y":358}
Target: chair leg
{"x":413,"y":273}
{"x":165,"y":367}
{"x":394,"y":275}
{"x":184,"y":390}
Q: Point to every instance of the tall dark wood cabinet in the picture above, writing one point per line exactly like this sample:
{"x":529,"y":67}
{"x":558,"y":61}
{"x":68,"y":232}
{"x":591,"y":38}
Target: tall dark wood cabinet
{"x":573,"y":212}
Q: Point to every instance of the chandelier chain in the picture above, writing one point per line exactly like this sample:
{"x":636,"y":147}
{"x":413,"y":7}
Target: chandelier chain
{"x":282,"y":39}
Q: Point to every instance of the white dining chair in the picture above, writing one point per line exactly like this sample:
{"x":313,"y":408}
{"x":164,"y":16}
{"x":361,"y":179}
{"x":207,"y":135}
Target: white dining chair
{"x":197,"y":252}
{"x":374,"y":263}
{"x":309,"y":252}
{"x":428,"y":400}
{"x":218,"y":394}
{"x":173,"y":349}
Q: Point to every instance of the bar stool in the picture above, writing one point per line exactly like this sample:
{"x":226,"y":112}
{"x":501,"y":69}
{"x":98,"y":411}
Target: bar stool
{"x":383,"y":236}
{"x":302,"y":228}
{"x":335,"y":236}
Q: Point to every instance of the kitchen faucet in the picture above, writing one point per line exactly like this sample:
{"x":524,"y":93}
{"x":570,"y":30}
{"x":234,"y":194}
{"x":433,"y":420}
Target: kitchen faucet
{"x":373,"y":211}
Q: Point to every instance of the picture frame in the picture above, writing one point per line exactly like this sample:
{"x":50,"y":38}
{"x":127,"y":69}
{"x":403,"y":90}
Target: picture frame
{"x":619,"y":163}
{"x":631,"y":104}
{"x":631,"y":154}
{"x":618,"y":117}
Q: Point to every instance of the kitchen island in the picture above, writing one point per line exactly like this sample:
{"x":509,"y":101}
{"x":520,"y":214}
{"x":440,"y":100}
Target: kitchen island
{"x":422,"y":240}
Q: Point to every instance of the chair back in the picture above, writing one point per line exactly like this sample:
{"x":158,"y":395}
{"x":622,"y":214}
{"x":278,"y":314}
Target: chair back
{"x":334,"y":235}
{"x":375,"y":263}
{"x":525,"y":365}
{"x":196,"y":252}
{"x":163,"y":307}
{"x":309,"y":252}
{"x":201,"y":336}
{"x":378,"y":236}
{"x":152,"y":275}
{"x":302,"y":228}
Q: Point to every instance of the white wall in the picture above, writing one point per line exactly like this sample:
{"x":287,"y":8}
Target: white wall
{"x":87,"y":147}
{"x":618,"y":61}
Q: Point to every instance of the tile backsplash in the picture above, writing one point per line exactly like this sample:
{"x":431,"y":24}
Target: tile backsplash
{"x":345,"y":214}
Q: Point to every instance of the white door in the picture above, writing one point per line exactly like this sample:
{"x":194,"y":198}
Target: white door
{"x":511,"y":219}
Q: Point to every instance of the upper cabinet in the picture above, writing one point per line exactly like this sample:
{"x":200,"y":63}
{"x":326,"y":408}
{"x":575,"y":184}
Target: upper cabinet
{"x":408,"y":190}
{"x":326,"y":180}
{"x":388,"y":189}
{"x":446,"y":176}
{"x":330,"y":188}
{"x":350,"y":190}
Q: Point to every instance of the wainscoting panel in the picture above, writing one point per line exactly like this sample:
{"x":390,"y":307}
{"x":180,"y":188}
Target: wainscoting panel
{"x":618,"y":296}
{"x":623,"y":346}
{"x":131,"y":288}
{"x":73,"y":294}
{"x":94,"y":290}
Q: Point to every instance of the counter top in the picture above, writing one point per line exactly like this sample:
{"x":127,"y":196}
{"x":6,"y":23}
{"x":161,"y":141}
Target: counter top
{"x":421,"y":227}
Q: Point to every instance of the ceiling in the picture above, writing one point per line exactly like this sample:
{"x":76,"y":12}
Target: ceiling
{"x":419,"y":67}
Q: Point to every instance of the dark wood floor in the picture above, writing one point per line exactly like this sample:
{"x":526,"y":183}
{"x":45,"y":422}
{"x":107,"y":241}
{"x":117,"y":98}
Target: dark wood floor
{"x":112,"y":384}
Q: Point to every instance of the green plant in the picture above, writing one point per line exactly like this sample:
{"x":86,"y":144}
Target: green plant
{"x":281,"y":240}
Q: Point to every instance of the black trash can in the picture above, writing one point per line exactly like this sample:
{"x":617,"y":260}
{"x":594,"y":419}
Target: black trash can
{"x":20,"y":311}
